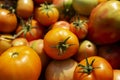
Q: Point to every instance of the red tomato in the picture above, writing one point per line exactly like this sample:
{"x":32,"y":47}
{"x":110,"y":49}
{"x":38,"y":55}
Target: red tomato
{"x":8,"y":21}
{"x":30,"y":30}
{"x":104,"y":23}
{"x":60,"y":70}
{"x":60,"y":43}
{"x":62,"y":24}
{"x":93,"y":68}
{"x":116,"y":73}
{"x":46,"y":14}
{"x":20,"y":63}
{"x":79,"y":26}
{"x":111,"y":53}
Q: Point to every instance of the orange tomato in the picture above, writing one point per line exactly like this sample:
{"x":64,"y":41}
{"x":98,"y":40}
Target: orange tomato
{"x":20,"y":63}
{"x":93,"y":68}
{"x":60,"y":43}
{"x":116,"y":74}
{"x":46,"y":14}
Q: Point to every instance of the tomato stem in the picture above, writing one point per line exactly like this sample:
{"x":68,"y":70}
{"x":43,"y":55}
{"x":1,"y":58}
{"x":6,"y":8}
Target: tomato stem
{"x":15,"y":54}
{"x":62,"y":46}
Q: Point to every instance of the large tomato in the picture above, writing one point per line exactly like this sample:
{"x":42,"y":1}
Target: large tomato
{"x":93,"y":68}
{"x":30,"y":30}
{"x":111,"y":53}
{"x":60,"y":43}
{"x":60,"y":70}
{"x":20,"y":63}
{"x":24,"y":8}
{"x":84,"y":7}
{"x":46,"y":14}
{"x":8,"y":21}
{"x":104,"y":23}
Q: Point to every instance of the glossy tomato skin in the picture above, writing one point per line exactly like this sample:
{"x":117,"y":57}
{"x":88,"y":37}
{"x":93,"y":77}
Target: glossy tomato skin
{"x":116,"y":74}
{"x":8,"y":21}
{"x":24,"y":8}
{"x":102,"y":71}
{"x":104,"y":23}
{"x":20,"y":63}
{"x":35,"y":31}
{"x":46,"y":14}
{"x":54,"y":37}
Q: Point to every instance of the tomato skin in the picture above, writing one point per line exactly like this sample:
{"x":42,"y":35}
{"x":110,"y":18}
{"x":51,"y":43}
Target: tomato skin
{"x":33,"y":33}
{"x":63,"y":70}
{"x":104,"y":23}
{"x":22,"y":59}
{"x":116,"y":73}
{"x":8,"y":21}
{"x":87,"y":47}
{"x":24,"y":8}
{"x":56,"y":36}
{"x":111,"y":53}
{"x":46,"y":14}
{"x":62,"y":24}
{"x":103,"y":70}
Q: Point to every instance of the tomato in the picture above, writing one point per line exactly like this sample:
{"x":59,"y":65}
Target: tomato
{"x":42,"y":1}
{"x":65,"y":9}
{"x":20,"y":63}
{"x":5,"y":42}
{"x":24,"y":8}
{"x":84,"y":7}
{"x":86,"y":47}
{"x":30,"y":30}
{"x":93,"y":68}
{"x":19,"y":42}
{"x":60,"y":43}
{"x":79,"y":26}
{"x":62,"y":24}
{"x":46,"y":14}
{"x":116,"y":73}
{"x":8,"y":21}
{"x":60,"y":70}
{"x":111,"y":53}
{"x":104,"y":23}
{"x":38,"y":46}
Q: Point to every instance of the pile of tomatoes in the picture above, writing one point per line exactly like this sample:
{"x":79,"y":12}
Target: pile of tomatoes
{"x":59,"y":40}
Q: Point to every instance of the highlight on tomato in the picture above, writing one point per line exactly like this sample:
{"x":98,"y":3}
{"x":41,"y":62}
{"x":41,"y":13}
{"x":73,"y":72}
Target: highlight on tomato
{"x":93,"y":68}
{"x":20,"y":63}
{"x":60,"y":43}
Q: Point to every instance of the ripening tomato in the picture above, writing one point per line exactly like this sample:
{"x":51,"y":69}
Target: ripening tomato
{"x":19,"y":41}
{"x":116,"y":73}
{"x":60,"y":43}
{"x":30,"y":30}
{"x":93,"y":68}
{"x":20,"y":63}
{"x":8,"y":21}
{"x":24,"y":8}
{"x":62,"y":24}
{"x":104,"y":23}
{"x":79,"y":26}
{"x":46,"y":14}
{"x":60,"y":69}
{"x":86,"y":47}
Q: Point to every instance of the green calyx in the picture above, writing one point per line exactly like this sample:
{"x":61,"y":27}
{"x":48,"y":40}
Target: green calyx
{"x":62,"y":46}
